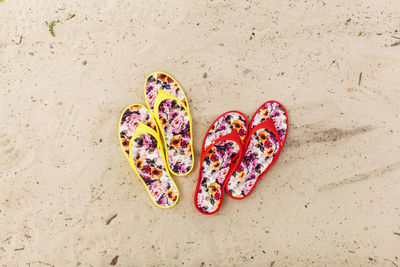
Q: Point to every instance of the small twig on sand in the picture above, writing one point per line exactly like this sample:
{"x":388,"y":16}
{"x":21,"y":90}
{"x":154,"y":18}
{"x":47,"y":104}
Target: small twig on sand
{"x":391,"y":262}
{"x":51,"y":28}
{"x":359,"y":78}
{"x":396,"y":233}
{"x":111,"y":218}
{"x":98,"y":197}
{"x":395,"y":44}
{"x":114,"y":261}
{"x":5,"y":240}
{"x":45,"y":263}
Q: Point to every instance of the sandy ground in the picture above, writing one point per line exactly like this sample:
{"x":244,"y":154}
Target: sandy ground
{"x":331,"y":199}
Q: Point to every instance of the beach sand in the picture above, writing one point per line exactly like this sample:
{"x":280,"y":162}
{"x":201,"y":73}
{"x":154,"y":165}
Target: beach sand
{"x":331,"y":199}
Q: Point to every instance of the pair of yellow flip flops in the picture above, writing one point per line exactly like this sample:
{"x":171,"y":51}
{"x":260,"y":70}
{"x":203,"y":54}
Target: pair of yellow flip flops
{"x":157,"y":139}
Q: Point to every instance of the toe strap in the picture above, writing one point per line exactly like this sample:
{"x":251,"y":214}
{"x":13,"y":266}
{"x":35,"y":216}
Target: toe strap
{"x":269,"y":125}
{"x":232,"y":136}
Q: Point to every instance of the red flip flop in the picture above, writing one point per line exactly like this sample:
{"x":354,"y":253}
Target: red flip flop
{"x":267,"y":134}
{"x":222,"y":145}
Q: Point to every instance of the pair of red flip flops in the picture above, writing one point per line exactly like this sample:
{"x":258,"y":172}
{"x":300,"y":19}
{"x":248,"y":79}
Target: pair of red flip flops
{"x":236,"y":154}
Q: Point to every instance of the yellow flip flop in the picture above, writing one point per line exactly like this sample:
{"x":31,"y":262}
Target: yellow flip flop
{"x":142,"y":146}
{"x":169,"y":106}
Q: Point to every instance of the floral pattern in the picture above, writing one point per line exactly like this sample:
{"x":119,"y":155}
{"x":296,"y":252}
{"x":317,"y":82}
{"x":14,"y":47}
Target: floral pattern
{"x":275,"y":111}
{"x":161,"y":81}
{"x":150,"y":166}
{"x":146,"y":156}
{"x":224,"y":125}
{"x":218,"y":161}
{"x":175,"y":124}
{"x":260,"y":152}
{"x":130,"y":121}
{"x":214,"y":170}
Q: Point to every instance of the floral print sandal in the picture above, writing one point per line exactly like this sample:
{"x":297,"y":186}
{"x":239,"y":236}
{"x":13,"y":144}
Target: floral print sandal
{"x":222,"y":145}
{"x":140,"y":141}
{"x":267,"y":135}
{"x":169,"y":106}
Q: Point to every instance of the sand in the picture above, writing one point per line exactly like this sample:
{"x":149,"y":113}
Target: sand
{"x":331,"y":199}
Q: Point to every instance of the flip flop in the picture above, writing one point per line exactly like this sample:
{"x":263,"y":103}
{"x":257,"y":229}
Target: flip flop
{"x":169,"y":106}
{"x":222,"y":145}
{"x":140,"y":141}
{"x":267,"y":134}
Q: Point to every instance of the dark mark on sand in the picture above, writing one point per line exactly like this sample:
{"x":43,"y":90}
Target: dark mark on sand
{"x":45,"y":263}
{"x":326,"y":136}
{"x":111,"y":218}
{"x":391,"y":262}
{"x":361,"y":177}
{"x":114,"y":261}
{"x":51,"y":28}
{"x":359,"y":78}
{"x":5,"y":240}
{"x":98,"y":197}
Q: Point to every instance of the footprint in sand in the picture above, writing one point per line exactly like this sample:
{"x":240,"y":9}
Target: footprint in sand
{"x":66,"y":117}
{"x":13,"y":153}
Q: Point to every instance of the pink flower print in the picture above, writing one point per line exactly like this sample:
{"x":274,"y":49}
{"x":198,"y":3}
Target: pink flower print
{"x":151,"y":94}
{"x":162,"y":201}
{"x":251,"y":176}
{"x":178,"y":124}
{"x":275,"y":113}
{"x":155,"y":190}
{"x":200,"y":198}
{"x":131,"y":123}
{"x":163,"y":109}
{"x":221,"y":127}
{"x":222,"y":175}
{"x":165,"y":106}
{"x":148,"y":142}
{"x":248,"y":186}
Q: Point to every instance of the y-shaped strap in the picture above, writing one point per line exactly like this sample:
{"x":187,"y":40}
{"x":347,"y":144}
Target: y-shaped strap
{"x":269,"y":125}
{"x":161,"y":96}
{"x":232,"y":136}
{"x":144,"y":129}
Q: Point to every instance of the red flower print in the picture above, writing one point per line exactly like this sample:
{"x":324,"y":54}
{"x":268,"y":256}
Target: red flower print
{"x":146,"y":169}
{"x":184,"y":144}
{"x":240,"y":168}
